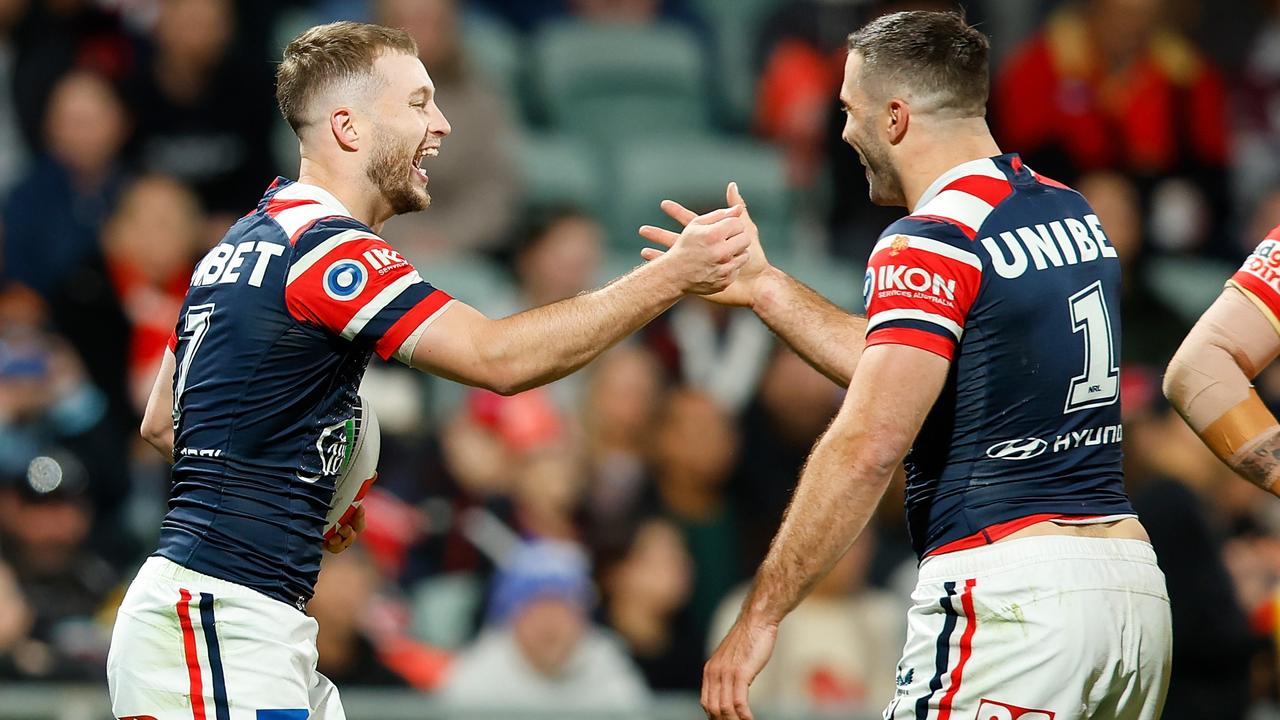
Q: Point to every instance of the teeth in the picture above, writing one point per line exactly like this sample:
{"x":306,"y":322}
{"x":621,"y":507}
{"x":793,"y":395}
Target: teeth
{"x":433,"y":152}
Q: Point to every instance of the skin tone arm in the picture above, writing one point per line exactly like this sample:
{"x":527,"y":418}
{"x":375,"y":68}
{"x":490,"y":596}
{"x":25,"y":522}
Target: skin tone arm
{"x":538,"y":346}
{"x":824,"y":334}
{"x":1208,"y":382}
{"x":850,"y":466}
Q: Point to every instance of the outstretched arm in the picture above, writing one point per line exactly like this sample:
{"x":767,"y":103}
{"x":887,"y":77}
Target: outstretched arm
{"x":850,"y":466}
{"x":1208,"y":382}
{"x":824,"y":334}
{"x":546,"y":343}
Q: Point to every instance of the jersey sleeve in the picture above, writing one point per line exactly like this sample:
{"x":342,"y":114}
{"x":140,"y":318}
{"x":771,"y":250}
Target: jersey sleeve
{"x":354,"y":284}
{"x":922,"y":278}
{"x":1259,"y":278}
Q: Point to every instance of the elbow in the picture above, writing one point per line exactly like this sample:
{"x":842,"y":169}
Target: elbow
{"x":1179,"y":381}
{"x":156,"y":434}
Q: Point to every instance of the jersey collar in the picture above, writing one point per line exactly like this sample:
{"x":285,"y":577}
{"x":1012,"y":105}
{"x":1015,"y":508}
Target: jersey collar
{"x":982,"y":166}
{"x":294,"y":190}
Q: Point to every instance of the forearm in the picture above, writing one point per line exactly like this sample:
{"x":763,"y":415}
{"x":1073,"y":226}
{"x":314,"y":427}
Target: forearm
{"x":833,"y":502}
{"x":1259,"y":461}
{"x":824,"y":334}
{"x":546,"y":343}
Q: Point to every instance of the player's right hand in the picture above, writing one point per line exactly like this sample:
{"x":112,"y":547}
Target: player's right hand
{"x":745,"y":287}
{"x":708,"y":253}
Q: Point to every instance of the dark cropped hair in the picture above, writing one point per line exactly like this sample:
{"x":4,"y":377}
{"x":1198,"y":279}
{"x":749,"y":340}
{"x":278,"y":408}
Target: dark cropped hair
{"x":938,"y":55}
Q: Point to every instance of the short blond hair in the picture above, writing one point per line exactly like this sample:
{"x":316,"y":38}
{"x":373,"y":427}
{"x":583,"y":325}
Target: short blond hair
{"x":326,"y":55}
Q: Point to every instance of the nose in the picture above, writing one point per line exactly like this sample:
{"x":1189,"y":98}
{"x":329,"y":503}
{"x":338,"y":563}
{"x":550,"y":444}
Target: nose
{"x":438,"y":124}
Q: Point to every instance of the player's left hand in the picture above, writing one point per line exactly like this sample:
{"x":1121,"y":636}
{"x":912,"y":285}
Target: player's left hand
{"x":346,"y":534}
{"x":728,"y":674}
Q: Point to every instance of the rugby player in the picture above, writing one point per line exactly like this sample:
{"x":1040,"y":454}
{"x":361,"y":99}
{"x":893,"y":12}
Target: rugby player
{"x":1209,"y":378}
{"x":279,"y":324}
{"x":988,"y":360}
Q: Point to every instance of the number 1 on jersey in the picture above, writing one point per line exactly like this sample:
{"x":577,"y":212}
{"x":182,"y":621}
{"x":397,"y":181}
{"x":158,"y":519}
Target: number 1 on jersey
{"x":1099,"y":384}
{"x":195,"y":324}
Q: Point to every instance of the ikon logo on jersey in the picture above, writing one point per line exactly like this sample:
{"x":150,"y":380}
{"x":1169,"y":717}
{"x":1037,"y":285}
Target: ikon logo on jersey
{"x":345,"y":279}
{"x":384,"y":260}
{"x":992,"y":710}
{"x":1020,"y":449}
{"x":915,"y":282}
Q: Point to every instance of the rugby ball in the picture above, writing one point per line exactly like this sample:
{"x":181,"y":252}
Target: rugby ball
{"x":359,"y":468}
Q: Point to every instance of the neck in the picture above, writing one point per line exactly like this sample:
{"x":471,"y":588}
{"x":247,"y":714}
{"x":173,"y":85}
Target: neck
{"x":360,"y":197}
{"x":937,"y":152}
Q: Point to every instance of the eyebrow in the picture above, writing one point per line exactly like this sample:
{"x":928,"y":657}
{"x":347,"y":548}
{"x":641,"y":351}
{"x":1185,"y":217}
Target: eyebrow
{"x":422,"y":93}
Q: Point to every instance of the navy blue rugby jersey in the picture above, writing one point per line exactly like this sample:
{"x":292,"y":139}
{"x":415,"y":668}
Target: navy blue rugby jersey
{"x":1010,"y":276}
{"x":278,"y":326}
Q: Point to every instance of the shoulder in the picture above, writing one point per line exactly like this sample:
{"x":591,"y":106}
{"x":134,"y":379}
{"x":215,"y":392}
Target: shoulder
{"x":908,"y":238}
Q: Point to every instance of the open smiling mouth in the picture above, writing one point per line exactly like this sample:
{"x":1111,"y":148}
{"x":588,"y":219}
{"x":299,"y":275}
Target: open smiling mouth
{"x":420,"y":158}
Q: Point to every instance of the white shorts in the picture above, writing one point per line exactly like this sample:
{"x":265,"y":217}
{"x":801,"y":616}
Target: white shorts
{"x":187,"y":646}
{"x":1039,"y":628}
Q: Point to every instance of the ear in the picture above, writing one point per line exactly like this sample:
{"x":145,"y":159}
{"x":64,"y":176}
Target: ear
{"x":899,"y":118}
{"x":343,"y":126}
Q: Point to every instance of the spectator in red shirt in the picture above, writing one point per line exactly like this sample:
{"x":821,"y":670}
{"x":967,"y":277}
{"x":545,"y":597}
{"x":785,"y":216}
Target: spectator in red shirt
{"x":1106,"y":85}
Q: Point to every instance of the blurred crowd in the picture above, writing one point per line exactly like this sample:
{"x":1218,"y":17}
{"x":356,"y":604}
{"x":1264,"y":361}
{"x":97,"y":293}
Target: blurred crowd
{"x":585,"y":544}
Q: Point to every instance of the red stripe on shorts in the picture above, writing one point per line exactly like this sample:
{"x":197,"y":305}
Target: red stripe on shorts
{"x":193,"y":659}
{"x":966,"y":649}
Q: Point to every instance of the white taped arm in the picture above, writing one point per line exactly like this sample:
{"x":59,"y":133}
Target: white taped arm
{"x":1208,"y":382}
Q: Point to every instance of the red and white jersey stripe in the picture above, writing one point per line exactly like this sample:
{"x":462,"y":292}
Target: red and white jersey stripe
{"x":1259,"y":277}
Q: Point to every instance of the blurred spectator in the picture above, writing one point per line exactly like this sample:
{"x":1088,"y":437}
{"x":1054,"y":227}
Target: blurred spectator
{"x":13,"y":151}
{"x":547,"y":491}
{"x":55,"y":37}
{"x":1257,"y":114}
{"x":54,"y":213}
{"x":203,"y":113}
{"x":794,"y":405}
{"x":694,"y":446}
{"x":719,"y":350}
{"x":1152,"y":330}
{"x":53,"y":217}
{"x":623,"y":392}
{"x":474,"y":181}
{"x":540,"y":652}
{"x":835,"y":651}
{"x":150,"y":242}
{"x":802,"y":49}
{"x":1106,"y":84}
{"x":44,"y":529}
{"x":1211,"y":640}
{"x":343,"y":605}
{"x":47,"y":402}
{"x":647,"y":580}
{"x":559,"y":257}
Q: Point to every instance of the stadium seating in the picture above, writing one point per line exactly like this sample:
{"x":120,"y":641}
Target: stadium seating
{"x":494,"y":49}
{"x":560,"y":170}
{"x":694,"y":172}
{"x":610,"y":81}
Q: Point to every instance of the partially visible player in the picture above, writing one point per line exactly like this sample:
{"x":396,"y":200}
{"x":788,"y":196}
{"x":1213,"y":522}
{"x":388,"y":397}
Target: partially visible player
{"x":279,"y":324}
{"x":1209,"y":378}
{"x":988,"y":358}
